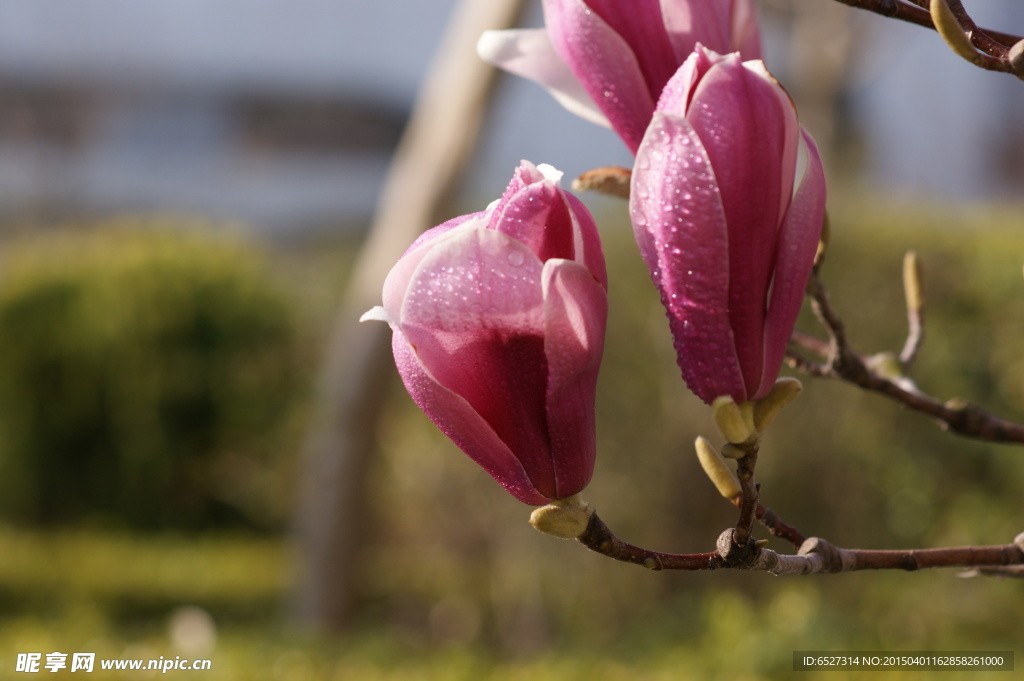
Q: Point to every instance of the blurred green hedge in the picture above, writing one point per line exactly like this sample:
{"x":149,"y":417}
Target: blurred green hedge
{"x":145,"y":371}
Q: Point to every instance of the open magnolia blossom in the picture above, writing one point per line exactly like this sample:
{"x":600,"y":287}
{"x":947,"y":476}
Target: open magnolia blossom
{"x":608,"y":60}
{"x":499,"y":321}
{"x":727,"y":202}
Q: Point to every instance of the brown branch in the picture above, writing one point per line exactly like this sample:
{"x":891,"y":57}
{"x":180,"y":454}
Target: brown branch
{"x":979,"y":37}
{"x":597,"y":537}
{"x":894,"y":9}
{"x":819,"y":556}
{"x":815,"y":555}
{"x":916,"y":12}
{"x":774,"y":524}
{"x":748,"y":500}
{"x":919,"y":559}
{"x":843,"y":363}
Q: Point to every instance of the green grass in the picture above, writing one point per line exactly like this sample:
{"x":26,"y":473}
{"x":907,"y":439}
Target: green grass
{"x":116,"y":594}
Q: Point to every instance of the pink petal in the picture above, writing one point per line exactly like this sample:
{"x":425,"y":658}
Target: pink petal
{"x":575,"y":312}
{"x":745,"y":35}
{"x":587,"y":248}
{"x":733,"y":109}
{"x":681,"y":229}
{"x":605,"y":65}
{"x":463,"y":425}
{"x":688,"y":23}
{"x":798,"y":243}
{"x":532,"y":211}
{"x":791,"y":135}
{"x":675,"y":97}
{"x":397,"y":282}
{"x":443,"y":228}
{"x":530,"y":54}
{"x":640,"y":24}
{"x":474,"y":314}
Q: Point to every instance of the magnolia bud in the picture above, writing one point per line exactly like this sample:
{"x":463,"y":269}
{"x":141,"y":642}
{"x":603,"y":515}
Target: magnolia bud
{"x":913,"y":284}
{"x":735,"y":421}
{"x":717,"y":470}
{"x":768,"y":407}
{"x":563,"y":518}
{"x":950,"y":30}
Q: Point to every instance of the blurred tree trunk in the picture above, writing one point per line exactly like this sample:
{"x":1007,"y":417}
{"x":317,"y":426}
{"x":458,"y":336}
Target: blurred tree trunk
{"x":427,"y":165}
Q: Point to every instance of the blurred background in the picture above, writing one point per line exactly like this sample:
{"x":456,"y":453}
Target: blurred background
{"x":184,"y":188}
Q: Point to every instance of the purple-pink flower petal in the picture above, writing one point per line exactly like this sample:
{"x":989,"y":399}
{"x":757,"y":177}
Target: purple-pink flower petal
{"x":621,"y":54}
{"x":457,"y":419}
{"x":604,"y":63}
{"x":528,"y":52}
{"x":575,"y":313}
{"x":681,"y":229}
{"x":720,"y":25}
{"x":731,"y":272}
{"x":798,"y":245}
{"x":745,"y":131}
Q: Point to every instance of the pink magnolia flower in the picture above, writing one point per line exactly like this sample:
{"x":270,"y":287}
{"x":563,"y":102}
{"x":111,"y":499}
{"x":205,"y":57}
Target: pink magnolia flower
{"x":727,"y":202}
{"x":608,"y":60}
{"x":499,"y":321}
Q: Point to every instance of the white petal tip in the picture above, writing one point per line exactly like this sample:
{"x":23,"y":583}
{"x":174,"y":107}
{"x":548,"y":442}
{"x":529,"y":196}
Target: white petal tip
{"x":490,"y":46}
{"x":550,"y":173}
{"x":377,"y":314}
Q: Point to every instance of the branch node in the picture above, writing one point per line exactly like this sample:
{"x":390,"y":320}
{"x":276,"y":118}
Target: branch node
{"x":831,"y":557}
{"x":735,"y":554}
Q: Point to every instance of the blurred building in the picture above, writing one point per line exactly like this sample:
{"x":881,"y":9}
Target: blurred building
{"x":277,"y":113}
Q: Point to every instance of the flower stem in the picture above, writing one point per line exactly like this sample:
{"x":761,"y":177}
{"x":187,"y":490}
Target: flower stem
{"x":748,"y":502}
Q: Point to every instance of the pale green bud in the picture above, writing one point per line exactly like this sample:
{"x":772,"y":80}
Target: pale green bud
{"x":950,"y":30}
{"x":735,"y":421}
{"x":563,"y":518}
{"x":717,"y":470}
{"x":913,"y":284}
{"x":768,"y":407}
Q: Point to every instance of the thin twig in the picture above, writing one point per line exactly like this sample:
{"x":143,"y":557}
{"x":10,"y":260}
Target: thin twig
{"x":894,"y":9}
{"x":842,"y":362}
{"x":597,"y":537}
{"x":773,"y":523}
